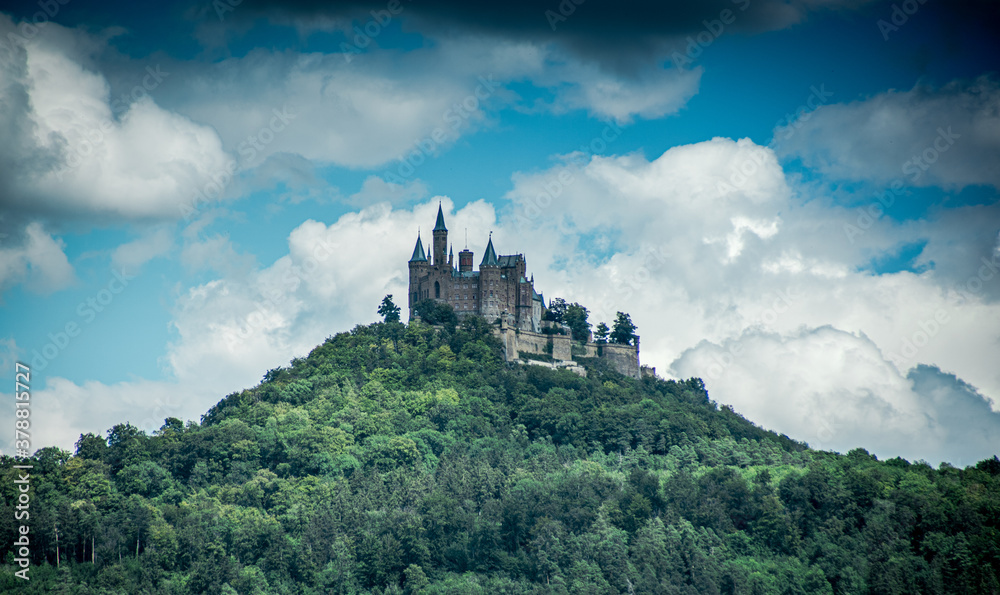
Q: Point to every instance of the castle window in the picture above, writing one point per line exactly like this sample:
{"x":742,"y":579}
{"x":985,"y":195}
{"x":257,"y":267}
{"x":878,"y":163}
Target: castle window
{"x":437,"y":290}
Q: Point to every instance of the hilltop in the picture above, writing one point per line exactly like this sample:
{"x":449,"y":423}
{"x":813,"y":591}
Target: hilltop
{"x":412,"y":459}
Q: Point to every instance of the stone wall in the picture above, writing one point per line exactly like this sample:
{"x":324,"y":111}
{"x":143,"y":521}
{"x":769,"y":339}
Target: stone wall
{"x":562,"y":348}
{"x":624,"y":358}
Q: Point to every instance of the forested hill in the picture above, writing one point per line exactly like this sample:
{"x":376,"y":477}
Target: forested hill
{"x":408,"y":459}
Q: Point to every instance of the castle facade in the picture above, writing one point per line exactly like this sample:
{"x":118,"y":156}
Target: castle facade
{"x":498,"y":290}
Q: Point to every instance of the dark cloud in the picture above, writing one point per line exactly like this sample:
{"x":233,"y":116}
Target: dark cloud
{"x":621,"y":30}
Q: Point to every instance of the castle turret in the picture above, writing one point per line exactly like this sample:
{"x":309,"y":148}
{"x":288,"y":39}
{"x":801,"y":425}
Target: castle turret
{"x":440,"y":239}
{"x":418,"y":253}
{"x":490,"y":257}
{"x":418,"y":268}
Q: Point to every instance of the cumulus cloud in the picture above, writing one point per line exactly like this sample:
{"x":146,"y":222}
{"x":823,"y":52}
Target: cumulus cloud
{"x":837,"y":390}
{"x":710,"y":242}
{"x":68,"y":152}
{"x":947,"y":137}
{"x":37,"y":259}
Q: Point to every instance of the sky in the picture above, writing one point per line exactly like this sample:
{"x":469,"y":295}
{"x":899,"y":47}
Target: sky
{"x":796,"y":201}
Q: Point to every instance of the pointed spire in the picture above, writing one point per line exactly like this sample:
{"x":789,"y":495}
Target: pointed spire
{"x":490,"y":258}
{"x":439,"y":225}
{"x":418,"y":251}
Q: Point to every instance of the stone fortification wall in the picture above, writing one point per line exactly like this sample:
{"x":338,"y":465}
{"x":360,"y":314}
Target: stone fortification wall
{"x":624,"y":358}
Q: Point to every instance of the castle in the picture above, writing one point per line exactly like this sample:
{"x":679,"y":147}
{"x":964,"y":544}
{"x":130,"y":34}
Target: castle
{"x":498,"y":290}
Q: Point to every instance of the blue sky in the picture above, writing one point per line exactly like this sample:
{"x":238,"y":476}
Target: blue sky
{"x":795,"y":201}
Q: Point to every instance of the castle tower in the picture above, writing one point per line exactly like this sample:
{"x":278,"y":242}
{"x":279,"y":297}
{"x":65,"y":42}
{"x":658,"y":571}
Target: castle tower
{"x":440,"y":240}
{"x":418,"y":266}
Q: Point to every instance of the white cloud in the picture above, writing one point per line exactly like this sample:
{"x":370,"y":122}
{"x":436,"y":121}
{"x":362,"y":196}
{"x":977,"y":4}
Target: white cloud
{"x":375,"y":190}
{"x":695,"y":252}
{"x":947,"y":137}
{"x":836,"y":390}
{"x":131,"y":256}
{"x":216,"y":253}
{"x":382,"y":105}
{"x":68,"y":152}
{"x":70,"y":409}
{"x":653,"y":93}
{"x":39,"y":262}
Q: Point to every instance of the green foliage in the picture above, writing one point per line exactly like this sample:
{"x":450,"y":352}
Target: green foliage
{"x":576,"y":319}
{"x":388,"y":310}
{"x":433,"y":312}
{"x":412,"y":459}
{"x":623,"y":331}
{"x":556,"y":312}
{"x":601,"y":333}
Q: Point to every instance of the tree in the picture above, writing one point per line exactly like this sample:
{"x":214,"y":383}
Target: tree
{"x":575,"y":318}
{"x":556,"y":310}
{"x":388,"y":310}
{"x":434,"y":312}
{"x":623,"y":332}
{"x":91,"y":446}
{"x":601,"y":333}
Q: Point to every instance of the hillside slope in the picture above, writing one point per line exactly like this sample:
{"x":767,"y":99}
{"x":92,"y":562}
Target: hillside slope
{"x":405,"y":459}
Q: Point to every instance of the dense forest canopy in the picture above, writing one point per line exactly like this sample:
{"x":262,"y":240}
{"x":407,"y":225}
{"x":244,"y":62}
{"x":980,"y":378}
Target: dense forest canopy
{"x":412,"y":459}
